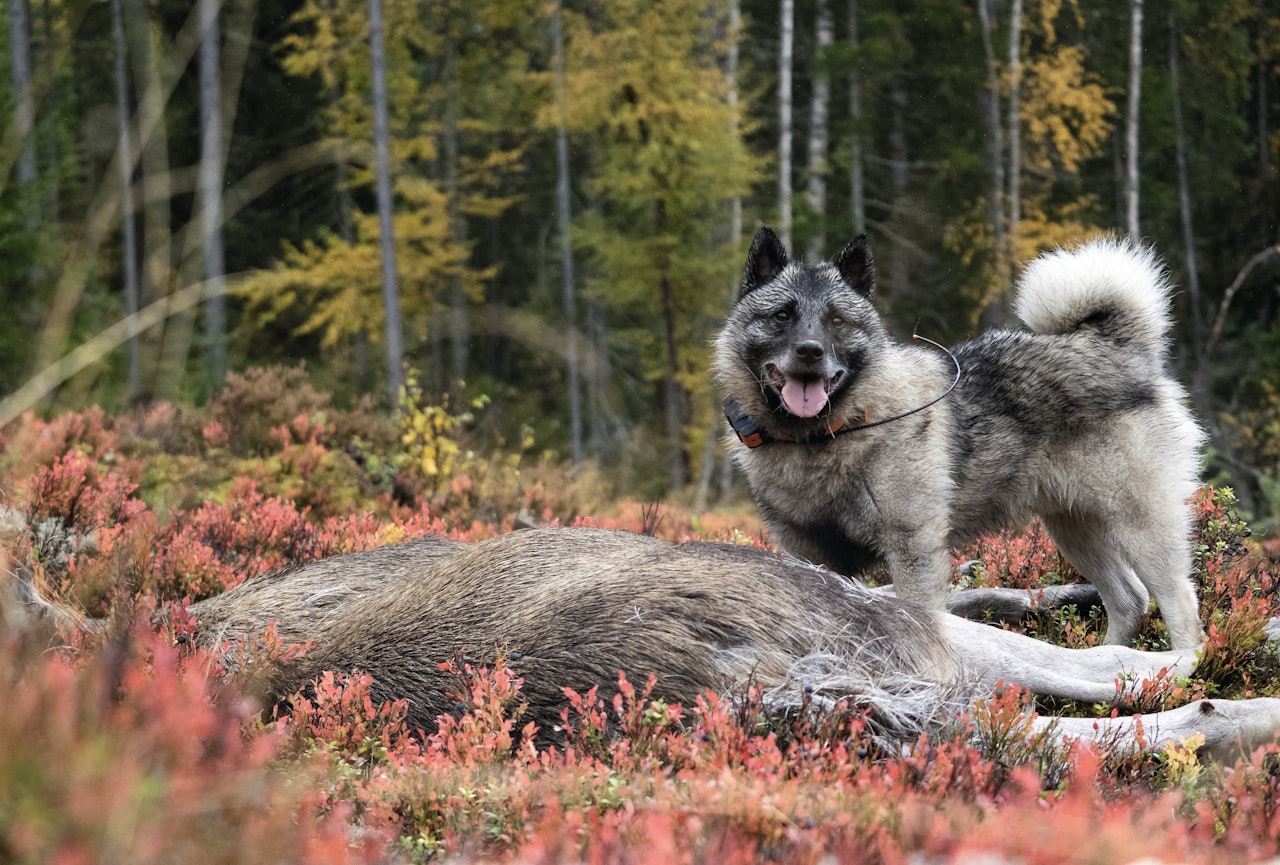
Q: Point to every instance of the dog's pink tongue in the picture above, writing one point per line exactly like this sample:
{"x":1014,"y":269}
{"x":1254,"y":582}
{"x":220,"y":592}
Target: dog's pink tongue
{"x":804,"y":398}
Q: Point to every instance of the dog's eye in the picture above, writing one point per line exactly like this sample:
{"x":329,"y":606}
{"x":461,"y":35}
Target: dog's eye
{"x":837,"y":321}
{"x":782,"y":315}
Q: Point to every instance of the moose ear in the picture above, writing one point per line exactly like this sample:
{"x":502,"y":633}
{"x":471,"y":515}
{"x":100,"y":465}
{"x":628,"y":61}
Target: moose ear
{"x":857,"y":267}
{"x":765,"y":261}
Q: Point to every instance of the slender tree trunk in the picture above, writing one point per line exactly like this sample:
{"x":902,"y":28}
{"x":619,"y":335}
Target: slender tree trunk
{"x":124,"y":156}
{"x":1131,"y":120}
{"x":24,"y":107}
{"x":899,"y":161}
{"x":731,"y":72}
{"x":460,"y":335}
{"x":707,"y":466}
{"x":386,"y":222}
{"x":857,"y":191}
{"x":818,"y":114}
{"x":785,"y":60}
{"x":676,"y":396}
{"x":1265,"y":61}
{"x":1199,"y":388}
{"x":1220,"y":320}
{"x":211,"y":174}
{"x":566,"y":245}
{"x":599,"y":372}
{"x":162,"y":369}
{"x":992,"y":314}
{"x":52,"y":50}
{"x":1015,"y":132}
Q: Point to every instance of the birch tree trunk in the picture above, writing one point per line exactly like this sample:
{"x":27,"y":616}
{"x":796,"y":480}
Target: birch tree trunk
{"x":210,"y":191}
{"x":24,"y":107}
{"x":785,"y":59}
{"x":899,"y":162}
{"x":707,"y":469}
{"x":386,"y":224}
{"x":1200,"y":398}
{"x":599,"y":372}
{"x":857,"y":188}
{"x":676,"y":396}
{"x":991,"y":314}
{"x":124,"y":156}
{"x":157,"y":193}
{"x":51,"y":218}
{"x":818,"y":122}
{"x":459,"y":326}
{"x":1015,"y":133}
{"x":1131,"y":119}
{"x":566,"y":245}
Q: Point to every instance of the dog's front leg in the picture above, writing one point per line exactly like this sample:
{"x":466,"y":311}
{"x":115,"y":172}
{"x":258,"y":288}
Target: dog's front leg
{"x":920,"y":564}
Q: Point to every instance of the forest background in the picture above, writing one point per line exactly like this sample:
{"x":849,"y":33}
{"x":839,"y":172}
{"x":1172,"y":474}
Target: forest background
{"x":540,"y":209}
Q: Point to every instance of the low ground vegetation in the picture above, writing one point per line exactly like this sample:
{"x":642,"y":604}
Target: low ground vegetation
{"x":130,"y":746}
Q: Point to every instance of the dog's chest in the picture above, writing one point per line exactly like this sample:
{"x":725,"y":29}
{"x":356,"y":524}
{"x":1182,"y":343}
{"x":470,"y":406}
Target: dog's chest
{"x":806,"y":481}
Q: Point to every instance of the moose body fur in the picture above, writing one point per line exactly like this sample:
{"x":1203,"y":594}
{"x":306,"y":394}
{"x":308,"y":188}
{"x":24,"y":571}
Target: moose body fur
{"x":571,"y":607}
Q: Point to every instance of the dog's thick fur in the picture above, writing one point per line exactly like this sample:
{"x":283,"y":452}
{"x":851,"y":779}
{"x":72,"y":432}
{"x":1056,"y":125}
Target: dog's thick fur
{"x":573,"y":606}
{"x":1076,"y":421}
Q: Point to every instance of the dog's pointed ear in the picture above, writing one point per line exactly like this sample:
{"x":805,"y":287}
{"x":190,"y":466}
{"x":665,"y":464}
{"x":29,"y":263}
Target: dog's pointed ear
{"x":765,"y":261}
{"x":857,"y":267}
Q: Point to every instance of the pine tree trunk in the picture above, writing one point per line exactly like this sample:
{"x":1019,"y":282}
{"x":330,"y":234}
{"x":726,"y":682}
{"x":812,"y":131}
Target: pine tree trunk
{"x":857,"y":189}
{"x":1131,"y":118}
{"x":161,"y":369}
{"x":124,"y":156}
{"x":818,"y":119}
{"x":211,"y":174}
{"x":899,"y":161}
{"x":785,"y":60}
{"x":459,"y":325}
{"x":707,"y":466}
{"x":992,"y":313}
{"x":1264,"y":68}
{"x":386,"y":223}
{"x":1200,"y":397}
{"x":566,"y":247}
{"x":24,"y":108}
{"x":676,"y":396}
{"x":599,"y":371}
{"x":1015,"y":133}
{"x":52,"y":216}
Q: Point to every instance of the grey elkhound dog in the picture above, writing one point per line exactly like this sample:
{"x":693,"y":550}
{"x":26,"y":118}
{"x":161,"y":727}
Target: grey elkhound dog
{"x":852,"y":457}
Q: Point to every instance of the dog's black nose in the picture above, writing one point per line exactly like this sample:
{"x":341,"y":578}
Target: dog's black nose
{"x":809,"y":350}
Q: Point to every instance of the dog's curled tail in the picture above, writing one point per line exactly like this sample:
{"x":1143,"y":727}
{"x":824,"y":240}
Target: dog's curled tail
{"x":1116,"y":287}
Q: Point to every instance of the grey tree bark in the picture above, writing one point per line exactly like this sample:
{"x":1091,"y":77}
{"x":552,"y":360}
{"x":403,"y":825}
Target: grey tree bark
{"x":819,"y":112}
{"x":566,"y":247}
{"x":787,"y":24}
{"x":210,"y":191}
{"x":124,"y":155}
{"x":1015,"y":132}
{"x":990,"y":100}
{"x":735,"y":242}
{"x":857,"y":183}
{"x":1199,"y":387}
{"x":1131,"y":118}
{"x":24,"y":104}
{"x":459,"y":324}
{"x":386,"y":223}
{"x":156,"y":195}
